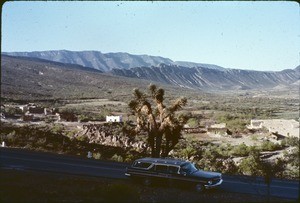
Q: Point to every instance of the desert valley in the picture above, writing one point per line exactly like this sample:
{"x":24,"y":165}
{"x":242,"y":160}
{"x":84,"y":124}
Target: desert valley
{"x":51,"y":101}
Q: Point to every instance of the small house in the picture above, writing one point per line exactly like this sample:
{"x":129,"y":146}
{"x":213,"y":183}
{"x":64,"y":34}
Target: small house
{"x":36,"y":110}
{"x":67,"y":116}
{"x":219,"y":129}
{"x":24,"y":108}
{"x":113,"y":119}
{"x":255,"y":124}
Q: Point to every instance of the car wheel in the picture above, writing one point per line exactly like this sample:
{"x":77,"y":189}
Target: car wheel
{"x":199,"y":187}
{"x":147,"y":181}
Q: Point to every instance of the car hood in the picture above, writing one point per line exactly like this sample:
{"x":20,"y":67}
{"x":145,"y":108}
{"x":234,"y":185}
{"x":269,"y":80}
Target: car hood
{"x":206,"y":174}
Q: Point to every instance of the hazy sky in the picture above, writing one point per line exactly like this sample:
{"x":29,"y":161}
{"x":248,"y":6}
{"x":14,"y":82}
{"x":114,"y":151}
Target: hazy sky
{"x":242,"y":35}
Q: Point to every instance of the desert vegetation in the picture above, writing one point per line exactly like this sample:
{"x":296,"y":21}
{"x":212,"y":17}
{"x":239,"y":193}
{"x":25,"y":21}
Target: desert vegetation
{"x":217,"y":150}
{"x":163,"y":127}
{"x":206,"y":155}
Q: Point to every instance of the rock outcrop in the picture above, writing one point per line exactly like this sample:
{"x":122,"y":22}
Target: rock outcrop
{"x":111,"y":134}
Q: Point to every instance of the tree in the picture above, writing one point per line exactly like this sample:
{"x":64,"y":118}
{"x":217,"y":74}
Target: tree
{"x":161,"y":123}
{"x":252,"y":164}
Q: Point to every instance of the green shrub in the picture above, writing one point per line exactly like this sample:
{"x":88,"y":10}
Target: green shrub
{"x":211,"y":159}
{"x":97,"y":155}
{"x":117,"y":158}
{"x":251,"y":166}
{"x":234,"y":122}
{"x":71,"y":133}
{"x":254,"y":137}
{"x":187,"y":152}
{"x":57,"y":128}
{"x":290,"y":141}
{"x":237,"y":125}
{"x":240,"y":150}
{"x":224,"y":150}
{"x":269,"y":146}
{"x":82,"y":138}
{"x":193,"y":122}
{"x":83,"y":118}
{"x":229,"y":167}
{"x":224,"y":118}
{"x":41,"y":142}
{"x":293,"y":157}
{"x":129,"y":157}
{"x":11,"y":111}
{"x":11,"y":137}
{"x":292,"y":172}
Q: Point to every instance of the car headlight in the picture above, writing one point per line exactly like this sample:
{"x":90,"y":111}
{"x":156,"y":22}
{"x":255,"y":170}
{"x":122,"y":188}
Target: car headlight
{"x":209,"y":182}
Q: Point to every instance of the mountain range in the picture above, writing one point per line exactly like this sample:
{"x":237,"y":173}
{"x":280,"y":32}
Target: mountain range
{"x":106,"y":61}
{"x":212,"y":79}
{"x":178,"y":73}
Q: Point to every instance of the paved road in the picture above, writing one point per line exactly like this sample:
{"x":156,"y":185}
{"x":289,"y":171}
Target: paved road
{"x":28,"y":160}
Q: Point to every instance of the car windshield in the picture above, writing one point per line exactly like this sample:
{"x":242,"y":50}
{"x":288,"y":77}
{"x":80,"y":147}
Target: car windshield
{"x":189,"y":168}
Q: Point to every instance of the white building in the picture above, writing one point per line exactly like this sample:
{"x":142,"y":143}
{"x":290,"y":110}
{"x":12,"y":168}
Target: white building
{"x":288,"y":128}
{"x":256,"y":124}
{"x":112,"y":119}
{"x":24,"y":108}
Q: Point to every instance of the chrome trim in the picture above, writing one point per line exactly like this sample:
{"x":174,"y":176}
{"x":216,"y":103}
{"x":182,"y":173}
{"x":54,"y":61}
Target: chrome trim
{"x":144,"y":168}
{"x":212,"y":186}
{"x":169,"y":176}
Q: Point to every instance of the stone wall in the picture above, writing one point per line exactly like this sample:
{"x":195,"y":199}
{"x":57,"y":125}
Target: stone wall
{"x":110,"y":134}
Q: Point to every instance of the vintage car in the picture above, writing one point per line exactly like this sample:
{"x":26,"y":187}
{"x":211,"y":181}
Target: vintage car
{"x":173,"y":170}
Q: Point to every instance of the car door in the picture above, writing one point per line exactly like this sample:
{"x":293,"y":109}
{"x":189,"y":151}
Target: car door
{"x":173,"y":172}
{"x":161,"y":171}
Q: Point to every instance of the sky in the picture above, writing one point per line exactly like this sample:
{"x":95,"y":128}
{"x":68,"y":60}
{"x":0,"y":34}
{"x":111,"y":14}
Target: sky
{"x":242,"y":35}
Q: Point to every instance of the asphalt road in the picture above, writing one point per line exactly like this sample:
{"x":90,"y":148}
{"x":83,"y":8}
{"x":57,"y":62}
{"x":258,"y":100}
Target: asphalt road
{"x":20,"y":159}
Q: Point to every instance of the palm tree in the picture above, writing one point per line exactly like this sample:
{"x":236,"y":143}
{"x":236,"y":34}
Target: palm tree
{"x":160,"y":122}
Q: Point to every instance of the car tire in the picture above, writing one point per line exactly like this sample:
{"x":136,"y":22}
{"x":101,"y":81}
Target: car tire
{"x":147,"y":181}
{"x":199,"y":187}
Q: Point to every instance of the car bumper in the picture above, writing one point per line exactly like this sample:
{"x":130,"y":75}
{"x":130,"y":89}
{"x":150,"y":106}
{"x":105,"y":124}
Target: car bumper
{"x":213,"y":185}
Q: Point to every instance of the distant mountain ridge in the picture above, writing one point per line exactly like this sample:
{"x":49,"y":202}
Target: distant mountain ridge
{"x":184,"y":74}
{"x":203,"y":78}
{"x":95,"y":59}
{"x":106,"y":61}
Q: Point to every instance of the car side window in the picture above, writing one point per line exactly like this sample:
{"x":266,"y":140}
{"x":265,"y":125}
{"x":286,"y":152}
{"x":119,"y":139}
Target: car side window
{"x":161,"y":168}
{"x":173,"y":169}
{"x":143,"y":165}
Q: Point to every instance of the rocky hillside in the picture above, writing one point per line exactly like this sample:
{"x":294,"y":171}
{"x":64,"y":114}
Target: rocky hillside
{"x":111,"y":134}
{"x":214,"y":79}
{"x":25,"y":78}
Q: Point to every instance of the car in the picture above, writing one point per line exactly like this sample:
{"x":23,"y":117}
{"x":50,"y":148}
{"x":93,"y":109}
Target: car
{"x":173,"y":170}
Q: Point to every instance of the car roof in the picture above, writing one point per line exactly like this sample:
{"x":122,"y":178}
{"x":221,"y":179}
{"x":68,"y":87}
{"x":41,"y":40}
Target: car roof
{"x":169,"y":161}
